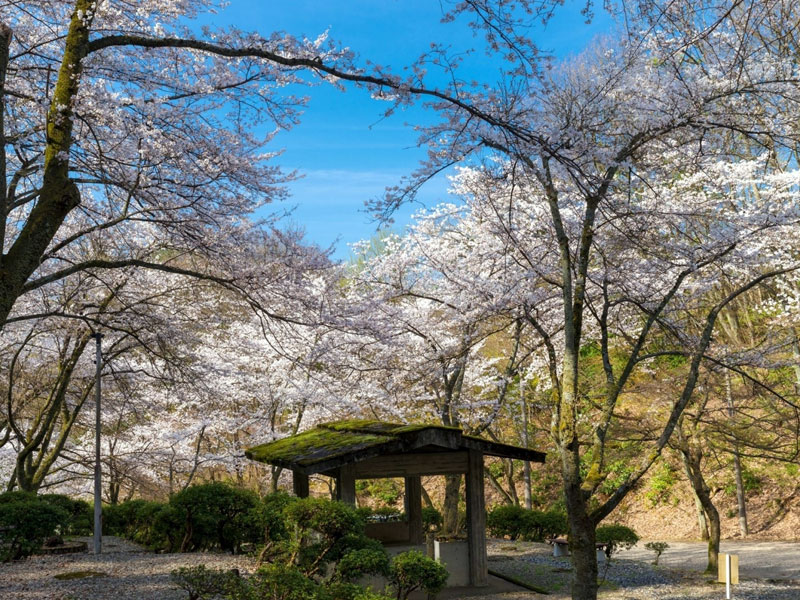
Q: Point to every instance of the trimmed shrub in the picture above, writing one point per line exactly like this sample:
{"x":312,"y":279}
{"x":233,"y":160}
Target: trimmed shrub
{"x":216,"y":515}
{"x":508,"y":520}
{"x":81,"y":513}
{"x":516,"y":522}
{"x":412,"y":570}
{"x":658,"y":548}
{"x":17,"y":496}
{"x":278,"y":582}
{"x":155,"y":525}
{"x":270,"y":518}
{"x":322,"y":532}
{"x":364,"y":561}
{"x":202,"y":583}
{"x":25,"y":522}
{"x":432,"y":519}
{"x":616,"y":537}
{"x":540,"y":526}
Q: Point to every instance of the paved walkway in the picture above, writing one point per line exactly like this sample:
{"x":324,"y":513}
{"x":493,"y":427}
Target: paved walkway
{"x":760,"y":560}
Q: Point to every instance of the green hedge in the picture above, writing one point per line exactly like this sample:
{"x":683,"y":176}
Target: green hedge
{"x":25,"y":522}
{"x":201,"y":517}
{"x":515,"y":522}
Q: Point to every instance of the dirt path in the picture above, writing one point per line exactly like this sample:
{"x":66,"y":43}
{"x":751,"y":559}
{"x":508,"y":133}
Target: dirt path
{"x":778,"y":561}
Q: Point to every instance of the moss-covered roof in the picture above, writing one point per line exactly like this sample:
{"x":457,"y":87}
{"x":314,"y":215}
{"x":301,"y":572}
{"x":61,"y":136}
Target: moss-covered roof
{"x":330,"y":445}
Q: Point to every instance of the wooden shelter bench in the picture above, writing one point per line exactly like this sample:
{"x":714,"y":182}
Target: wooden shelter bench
{"x":561,"y":546}
{"x":360,"y":449}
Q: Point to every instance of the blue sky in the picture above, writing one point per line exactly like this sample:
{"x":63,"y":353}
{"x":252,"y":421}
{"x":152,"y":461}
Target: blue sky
{"x":344,"y":148}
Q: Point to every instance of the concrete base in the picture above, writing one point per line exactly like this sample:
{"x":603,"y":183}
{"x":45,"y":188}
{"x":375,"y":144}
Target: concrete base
{"x":454,"y":556}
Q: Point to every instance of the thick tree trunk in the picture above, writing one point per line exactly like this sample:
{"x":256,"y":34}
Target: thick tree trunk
{"x":583,"y":550}
{"x":58,"y":194}
{"x":452,"y":488}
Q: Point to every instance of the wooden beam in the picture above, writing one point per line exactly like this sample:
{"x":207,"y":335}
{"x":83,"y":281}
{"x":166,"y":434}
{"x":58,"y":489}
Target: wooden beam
{"x":346,"y":485}
{"x":300,"y":484}
{"x":412,"y":464}
{"x":502,"y":450}
{"x":476,"y":521}
{"x":413,"y":506}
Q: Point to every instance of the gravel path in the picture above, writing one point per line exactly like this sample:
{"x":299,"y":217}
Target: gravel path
{"x":129,"y":574}
{"x":778,"y":561}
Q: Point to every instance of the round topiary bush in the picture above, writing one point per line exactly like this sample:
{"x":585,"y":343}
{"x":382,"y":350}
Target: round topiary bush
{"x":616,"y":537}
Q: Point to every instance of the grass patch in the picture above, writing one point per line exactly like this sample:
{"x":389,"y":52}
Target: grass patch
{"x":79,"y":575}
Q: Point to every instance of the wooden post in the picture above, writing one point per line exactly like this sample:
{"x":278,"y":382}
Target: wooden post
{"x":476,"y":521}
{"x":413,"y":506}
{"x":300,"y":484}
{"x":346,"y":484}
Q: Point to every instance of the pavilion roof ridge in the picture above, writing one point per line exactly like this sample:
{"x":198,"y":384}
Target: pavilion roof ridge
{"x":331,"y":445}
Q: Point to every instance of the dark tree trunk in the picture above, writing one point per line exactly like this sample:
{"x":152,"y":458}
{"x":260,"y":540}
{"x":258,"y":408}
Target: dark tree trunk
{"x":584,"y":552}
{"x":452,"y":489}
{"x":692,"y":462}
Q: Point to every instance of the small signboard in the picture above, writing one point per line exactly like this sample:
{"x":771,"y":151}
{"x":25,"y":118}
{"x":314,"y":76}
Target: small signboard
{"x":734,"y":568}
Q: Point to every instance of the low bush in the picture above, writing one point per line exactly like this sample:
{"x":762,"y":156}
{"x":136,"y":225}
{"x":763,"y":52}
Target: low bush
{"x":279,"y":582}
{"x":25,"y":522}
{"x":201,"y":517}
{"x":515,"y":522}
{"x":363,"y":561}
{"x":507,"y":520}
{"x":545,"y":524}
{"x":216,"y":515}
{"x":81,"y":513}
{"x":432,"y":519}
{"x":412,"y":570}
{"x":616,"y":537}
{"x":202,"y":583}
{"x":658,"y":548}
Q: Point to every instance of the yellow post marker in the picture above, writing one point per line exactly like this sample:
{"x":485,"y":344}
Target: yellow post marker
{"x":728,"y":570}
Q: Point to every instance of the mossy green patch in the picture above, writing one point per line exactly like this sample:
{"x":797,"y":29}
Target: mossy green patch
{"x":313,"y":446}
{"x":79,"y":575}
{"x":330,"y":440}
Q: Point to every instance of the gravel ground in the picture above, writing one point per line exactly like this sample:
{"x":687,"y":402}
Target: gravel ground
{"x":779,"y":561}
{"x":132,"y":574}
{"x":628,"y":579}
{"x":129,"y":574}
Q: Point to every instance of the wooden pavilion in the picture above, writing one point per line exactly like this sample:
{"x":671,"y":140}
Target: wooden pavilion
{"x":356,"y":449}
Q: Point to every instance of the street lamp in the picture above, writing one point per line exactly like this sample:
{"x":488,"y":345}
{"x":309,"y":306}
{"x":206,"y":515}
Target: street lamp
{"x":98,"y":507}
